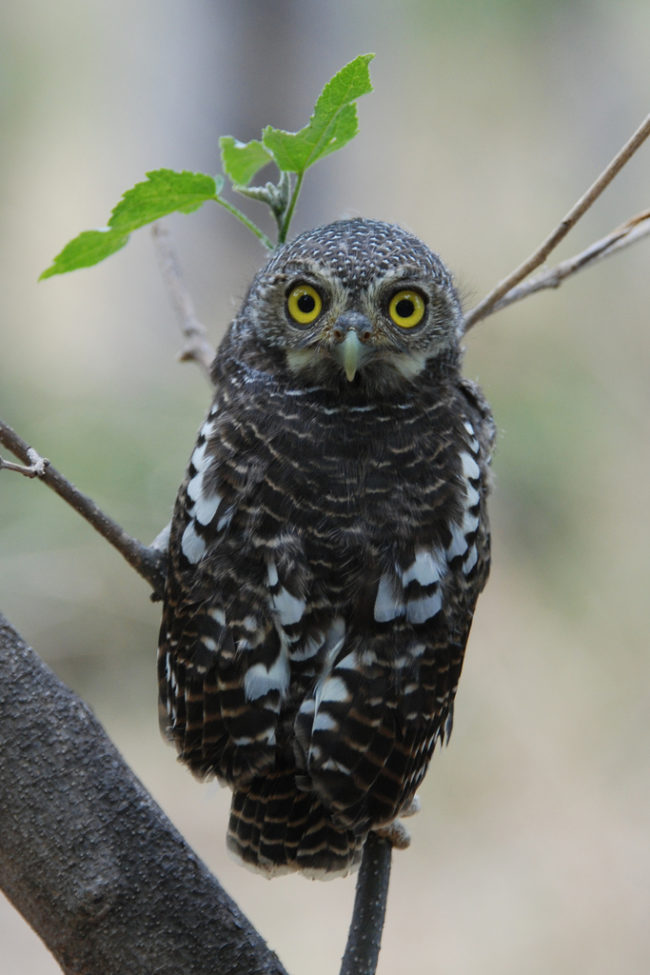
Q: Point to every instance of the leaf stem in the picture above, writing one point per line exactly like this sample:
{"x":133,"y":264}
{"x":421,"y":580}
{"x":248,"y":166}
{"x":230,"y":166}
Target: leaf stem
{"x":284,"y":229}
{"x":254,"y":229}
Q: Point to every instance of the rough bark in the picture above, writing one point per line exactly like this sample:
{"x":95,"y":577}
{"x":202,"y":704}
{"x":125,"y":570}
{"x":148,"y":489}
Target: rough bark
{"x":87,"y":856}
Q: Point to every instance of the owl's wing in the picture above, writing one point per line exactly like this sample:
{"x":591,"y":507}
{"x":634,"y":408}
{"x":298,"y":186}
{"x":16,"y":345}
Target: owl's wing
{"x":221,"y":664}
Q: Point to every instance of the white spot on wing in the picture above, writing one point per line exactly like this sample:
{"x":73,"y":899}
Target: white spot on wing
{"x":458,"y":544}
{"x":427,"y":568}
{"x":218,"y":616}
{"x":471,"y":560}
{"x":388,"y":606}
{"x":206,"y":508}
{"x":470,"y":467}
{"x":192,"y":545}
{"x":349,"y":662}
{"x":334,"y":689}
{"x":168,"y":666}
{"x":289,"y":608}
{"x":259,"y":680}
{"x":472,"y":496}
{"x":424,"y":608}
{"x":224,"y":521}
{"x":198,"y":458}
{"x":331,"y":765}
{"x":272,"y":574}
{"x":324,"y":722}
{"x":195,"y":487}
{"x":333,"y":642}
{"x":309,"y":648}
{"x":208,"y":428}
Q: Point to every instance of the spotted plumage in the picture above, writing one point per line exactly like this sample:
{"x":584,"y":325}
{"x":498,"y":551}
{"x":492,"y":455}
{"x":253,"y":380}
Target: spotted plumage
{"x":327,"y":548}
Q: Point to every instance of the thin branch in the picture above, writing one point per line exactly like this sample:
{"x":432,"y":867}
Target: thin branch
{"x":625,"y":235}
{"x":35,"y":467}
{"x":197,"y":347}
{"x":364,"y":939}
{"x":148,"y":562}
{"x":487,"y":305}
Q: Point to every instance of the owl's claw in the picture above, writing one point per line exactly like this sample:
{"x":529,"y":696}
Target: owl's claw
{"x":396,"y":833}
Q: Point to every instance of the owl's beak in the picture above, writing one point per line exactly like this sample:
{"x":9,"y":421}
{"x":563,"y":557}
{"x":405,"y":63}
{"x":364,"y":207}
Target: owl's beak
{"x":351,"y":335}
{"x":350,"y":354}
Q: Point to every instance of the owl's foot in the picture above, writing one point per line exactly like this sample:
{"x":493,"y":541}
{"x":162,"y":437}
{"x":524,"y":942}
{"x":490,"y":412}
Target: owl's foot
{"x":396,"y":833}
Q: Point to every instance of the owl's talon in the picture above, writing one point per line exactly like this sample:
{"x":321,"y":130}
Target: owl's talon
{"x":396,"y":833}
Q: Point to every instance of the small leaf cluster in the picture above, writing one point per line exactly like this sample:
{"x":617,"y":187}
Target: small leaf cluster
{"x":332,"y":124}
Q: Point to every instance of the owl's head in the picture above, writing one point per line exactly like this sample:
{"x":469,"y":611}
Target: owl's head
{"x":355,"y":302}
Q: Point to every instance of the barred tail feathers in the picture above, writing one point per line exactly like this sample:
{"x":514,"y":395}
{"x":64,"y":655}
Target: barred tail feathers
{"x":275,"y":828}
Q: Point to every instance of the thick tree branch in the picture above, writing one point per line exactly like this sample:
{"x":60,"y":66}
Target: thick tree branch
{"x":88,"y":858}
{"x":148,"y":562}
{"x":489,"y":303}
{"x":197,"y":347}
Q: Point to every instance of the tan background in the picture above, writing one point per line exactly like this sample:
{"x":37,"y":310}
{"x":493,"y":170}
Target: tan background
{"x":531,"y":854}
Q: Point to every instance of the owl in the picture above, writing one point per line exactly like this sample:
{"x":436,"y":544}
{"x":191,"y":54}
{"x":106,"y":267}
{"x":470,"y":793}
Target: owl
{"x":327,"y":547}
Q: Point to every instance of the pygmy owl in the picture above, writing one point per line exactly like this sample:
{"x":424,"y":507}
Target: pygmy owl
{"x":327,"y":548}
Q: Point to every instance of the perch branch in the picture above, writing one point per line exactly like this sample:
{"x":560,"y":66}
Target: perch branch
{"x":148,"y":562}
{"x":87,"y":856}
{"x":364,"y":938}
{"x":197,"y":347}
{"x":489,"y":303}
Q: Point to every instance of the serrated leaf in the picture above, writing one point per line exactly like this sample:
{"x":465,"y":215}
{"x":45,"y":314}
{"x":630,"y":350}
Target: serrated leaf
{"x":242,"y":160}
{"x":332,"y":125}
{"x":88,"y":248}
{"x":164,"y":191}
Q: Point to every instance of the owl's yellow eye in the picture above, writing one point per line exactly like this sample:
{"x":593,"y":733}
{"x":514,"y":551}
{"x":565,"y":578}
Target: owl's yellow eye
{"x":406,"y":308}
{"x":304,"y":304}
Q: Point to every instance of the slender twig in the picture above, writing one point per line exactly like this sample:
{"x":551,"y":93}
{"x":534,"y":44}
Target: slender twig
{"x":484,"y":307}
{"x":364,"y":938}
{"x":148,"y":562}
{"x":35,"y":467}
{"x":197,"y":347}
{"x":625,"y":235}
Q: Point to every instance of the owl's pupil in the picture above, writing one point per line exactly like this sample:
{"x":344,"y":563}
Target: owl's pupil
{"x":306,"y":303}
{"x":404,"y":308}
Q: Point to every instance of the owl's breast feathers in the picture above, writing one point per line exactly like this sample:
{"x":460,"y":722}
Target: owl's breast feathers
{"x":325,"y":558}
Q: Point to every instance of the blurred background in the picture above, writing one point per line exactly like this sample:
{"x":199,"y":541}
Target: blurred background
{"x":488,"y":120}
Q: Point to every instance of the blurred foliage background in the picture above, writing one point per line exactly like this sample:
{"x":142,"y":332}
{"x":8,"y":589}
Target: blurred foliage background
{"x":488,"y":120}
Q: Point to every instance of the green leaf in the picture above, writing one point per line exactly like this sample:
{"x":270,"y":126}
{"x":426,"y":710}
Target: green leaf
{"x":90,"y":247}
{"x":242,"y":160}
{"x":333,"y":123}
{"x":164,"y":191}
